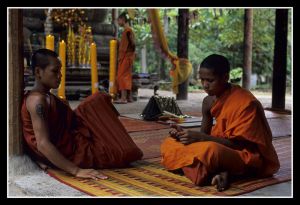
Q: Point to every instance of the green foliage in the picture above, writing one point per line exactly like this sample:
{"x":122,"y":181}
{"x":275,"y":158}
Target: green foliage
{"x":193,"y":88}
{"x":218,"y":31}
{"x":236,"y":74}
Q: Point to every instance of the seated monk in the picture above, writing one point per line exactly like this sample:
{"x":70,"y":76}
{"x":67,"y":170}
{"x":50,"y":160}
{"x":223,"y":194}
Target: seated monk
{"x":240,"y":142}
{"x":79,"y":142}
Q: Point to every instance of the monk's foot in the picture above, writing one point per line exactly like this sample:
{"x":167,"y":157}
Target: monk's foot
{"x":221,"y":181}
{"x":120,"y":101}
{"x":42,"y":165}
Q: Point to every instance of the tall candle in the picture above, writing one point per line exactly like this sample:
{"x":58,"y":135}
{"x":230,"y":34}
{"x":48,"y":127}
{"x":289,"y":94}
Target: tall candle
{"x":50,"y":46}
{"x":112,"y":67}
{"x":94,"y":71}
{"x":62,"y":56}
{"x":50,"y":42}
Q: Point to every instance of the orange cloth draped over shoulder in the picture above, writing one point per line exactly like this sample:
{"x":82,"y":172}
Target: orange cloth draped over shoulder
{"x":91,"y":136}
{"x":126,"y":57}
{"x":239,"y":116}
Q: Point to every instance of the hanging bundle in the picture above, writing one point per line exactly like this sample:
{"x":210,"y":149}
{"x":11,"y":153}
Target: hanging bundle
{"x":182,"y":68}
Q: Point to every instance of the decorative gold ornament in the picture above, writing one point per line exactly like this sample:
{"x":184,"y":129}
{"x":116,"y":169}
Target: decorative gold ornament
{"x":64,"y":16}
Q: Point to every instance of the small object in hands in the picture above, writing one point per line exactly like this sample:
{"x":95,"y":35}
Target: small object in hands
{"x":175,"y":136}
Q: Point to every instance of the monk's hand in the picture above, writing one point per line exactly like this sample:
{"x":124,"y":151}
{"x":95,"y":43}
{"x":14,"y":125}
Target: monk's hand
{"x":174,"y":133}
{"x":90,"y":174}
{"x":176,"y":127}
{"x":187,"y":138}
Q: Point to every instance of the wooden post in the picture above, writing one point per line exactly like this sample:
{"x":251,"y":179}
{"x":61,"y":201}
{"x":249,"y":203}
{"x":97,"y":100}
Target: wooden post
{"x":16,"y":81}
{"x":280,"y":61}
{"x":182,"y":48}
{"x":247,"y":65}
{"x":162,"y":66}
{"x":114,"y":18}
{"x":144,"y":59}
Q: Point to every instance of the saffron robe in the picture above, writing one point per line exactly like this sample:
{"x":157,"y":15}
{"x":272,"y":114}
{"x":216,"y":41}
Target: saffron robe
{"x":239,"y":116}
{"x":91,"y":136}
{"x":126,"y":57}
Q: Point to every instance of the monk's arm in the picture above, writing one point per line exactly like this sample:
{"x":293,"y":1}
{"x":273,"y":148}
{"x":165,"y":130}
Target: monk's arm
{"x":207,"y":119}
{"x":202,"y":137}
{"x":130,"y":38}
{"x":206,"y":125}
{"x":38,"y":109}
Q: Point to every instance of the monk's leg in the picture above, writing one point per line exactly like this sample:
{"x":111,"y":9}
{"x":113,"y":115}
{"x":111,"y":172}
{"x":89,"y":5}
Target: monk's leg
{"x":214,"y":160}
{"x":177,"y":158}
{"x":129,"y":96}
{"x":220,"y":162}
{"x":123,"y":99}
{"x":199,"y":161}
{"x":197,"y":173}
{"x":124,"y":95}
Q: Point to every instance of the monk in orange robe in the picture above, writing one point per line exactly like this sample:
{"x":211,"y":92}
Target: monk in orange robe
{"x":238,"y":144}
{"x":126,"y":57}
{"x":79,"y":142}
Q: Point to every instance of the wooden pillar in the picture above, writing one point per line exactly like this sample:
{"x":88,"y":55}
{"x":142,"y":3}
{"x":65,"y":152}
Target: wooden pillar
{"x":114,"y":18}
{"x":182,"y":48}
{"x":16,"y":81}
{"x":163,"y":74}
{"x":280,"y":61}
{"x":247,"y":65}
{"x":144,"y":59}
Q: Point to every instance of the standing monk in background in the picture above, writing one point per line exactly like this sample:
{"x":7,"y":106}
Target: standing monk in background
{"x":240,"y":143}
{"x":126,"y":57}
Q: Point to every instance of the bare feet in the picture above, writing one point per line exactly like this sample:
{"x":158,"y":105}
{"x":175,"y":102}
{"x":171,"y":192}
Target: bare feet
{"x":130,"y":100}
{"x":90,"y":174}
{"x":221,"y":181}
{"x":42,"y":165}
{"x":120,"y":102}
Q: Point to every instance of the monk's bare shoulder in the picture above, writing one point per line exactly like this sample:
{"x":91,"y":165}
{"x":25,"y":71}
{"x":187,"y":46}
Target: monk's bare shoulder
{"x":36,"y":103}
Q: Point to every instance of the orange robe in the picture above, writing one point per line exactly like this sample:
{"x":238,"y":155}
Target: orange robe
{"x":91,"y":136}
{"x":125,"y":60}
{"x":239,"y":116}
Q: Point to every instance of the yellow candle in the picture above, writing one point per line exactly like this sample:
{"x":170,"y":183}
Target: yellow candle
{"x":62,"y":56}
{"x":94,"y":71}
{"x":50,"y":46}
{"x":112,"y":67}
{"x":50,"y":42}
